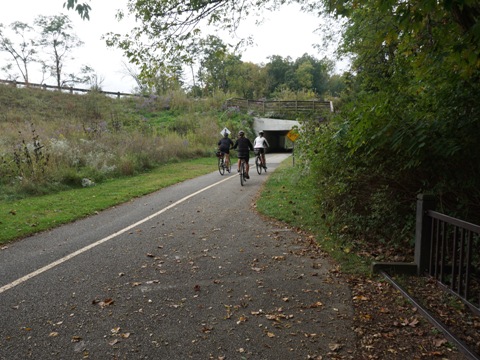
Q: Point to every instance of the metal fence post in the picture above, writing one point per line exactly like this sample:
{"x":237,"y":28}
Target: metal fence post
{"x":423,"y":232}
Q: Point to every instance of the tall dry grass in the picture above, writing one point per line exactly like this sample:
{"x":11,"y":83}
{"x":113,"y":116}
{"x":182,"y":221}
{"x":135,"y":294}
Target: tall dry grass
{"x":50,"y":141}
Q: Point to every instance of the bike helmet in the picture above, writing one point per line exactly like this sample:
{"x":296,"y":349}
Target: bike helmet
{"x":241,"y":133}
{"x":261,"y":132}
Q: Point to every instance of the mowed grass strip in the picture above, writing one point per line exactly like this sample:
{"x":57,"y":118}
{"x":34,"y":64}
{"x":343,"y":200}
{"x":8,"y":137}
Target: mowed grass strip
{"x":28,"y":216}
{"x":289,"y":196}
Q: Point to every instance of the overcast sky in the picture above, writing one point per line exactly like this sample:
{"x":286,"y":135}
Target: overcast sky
{"x":288,"y":32}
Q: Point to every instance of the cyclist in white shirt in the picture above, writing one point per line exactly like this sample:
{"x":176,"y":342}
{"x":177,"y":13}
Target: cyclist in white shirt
{"x":260,"y":144}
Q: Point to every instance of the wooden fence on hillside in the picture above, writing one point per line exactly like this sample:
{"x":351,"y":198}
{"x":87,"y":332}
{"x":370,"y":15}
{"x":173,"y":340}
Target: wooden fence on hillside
{"x":282,"y":109}
{"x":69,"y":89}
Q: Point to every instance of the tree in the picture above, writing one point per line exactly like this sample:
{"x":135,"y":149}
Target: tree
{"x":304,"y":75}
{"x":249,"y":81}
{"x":312,"y":74}
{"x":83,"y":9}
{"x":336,"y":85}
{"x":132,"y":72}
{"x":278,"y":70}
{"x":166,"y":79}
{"x":87,"y":76}
{"x":217,"y":65}
{"x":58,"y":41}
{"x":22,"y":51}
{"x":169,"y":30}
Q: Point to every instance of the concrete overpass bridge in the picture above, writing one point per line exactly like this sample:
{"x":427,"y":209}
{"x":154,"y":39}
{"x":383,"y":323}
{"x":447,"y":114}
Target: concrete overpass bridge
{"x":275,"y":117}
{"x":275,"y":131}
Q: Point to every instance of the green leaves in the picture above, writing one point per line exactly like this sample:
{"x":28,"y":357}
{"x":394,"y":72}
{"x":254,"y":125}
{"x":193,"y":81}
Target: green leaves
{"x":409,"y":120}
{"x":82,"y":9}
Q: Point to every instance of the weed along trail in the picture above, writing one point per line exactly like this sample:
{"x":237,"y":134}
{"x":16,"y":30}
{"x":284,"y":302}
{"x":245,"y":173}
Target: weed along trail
{"x":191,"y":271}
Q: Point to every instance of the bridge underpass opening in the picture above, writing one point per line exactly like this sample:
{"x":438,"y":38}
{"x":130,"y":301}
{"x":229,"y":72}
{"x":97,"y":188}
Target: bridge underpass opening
{"x":278,"y":141}
{"x":275,"y":131}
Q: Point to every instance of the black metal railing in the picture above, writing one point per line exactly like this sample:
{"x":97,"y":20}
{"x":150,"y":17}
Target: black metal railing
{"x":447,"y":249}
{"x":454,"y":256}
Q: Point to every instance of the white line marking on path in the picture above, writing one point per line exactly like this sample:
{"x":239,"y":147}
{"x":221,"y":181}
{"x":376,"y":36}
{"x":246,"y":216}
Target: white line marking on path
{"x":105,"y":239}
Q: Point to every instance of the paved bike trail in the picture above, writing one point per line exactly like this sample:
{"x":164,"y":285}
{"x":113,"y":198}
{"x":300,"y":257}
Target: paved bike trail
{"x":205,"y":277}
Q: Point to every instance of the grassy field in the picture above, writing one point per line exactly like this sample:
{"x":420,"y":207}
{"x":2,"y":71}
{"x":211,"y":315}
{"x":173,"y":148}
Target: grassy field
{"x":20,"y":218}
{"x":52,"y":141}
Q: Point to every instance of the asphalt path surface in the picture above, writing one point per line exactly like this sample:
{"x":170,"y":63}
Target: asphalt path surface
{"x":189,"y":272}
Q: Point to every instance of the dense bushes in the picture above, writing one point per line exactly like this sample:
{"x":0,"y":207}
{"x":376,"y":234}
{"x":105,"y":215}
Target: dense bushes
{"x":367,"y":185}
{"x":408,"y":124}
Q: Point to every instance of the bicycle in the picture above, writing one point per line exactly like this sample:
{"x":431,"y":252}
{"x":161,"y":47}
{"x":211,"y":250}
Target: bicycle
{"x":229,"y":166}
{"x":243,"y":172}
{"x":258,"y":162}
{"x":221,"y":163}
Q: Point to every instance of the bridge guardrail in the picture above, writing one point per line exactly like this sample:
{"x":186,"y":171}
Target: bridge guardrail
{"x":280,"y":109}
{"x":69,"y":89}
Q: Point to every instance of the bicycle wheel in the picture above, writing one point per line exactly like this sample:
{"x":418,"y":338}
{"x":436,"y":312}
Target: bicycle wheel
{"x":258,"y":164}
{"x":221,"y":166}
{"x":242,"y":173}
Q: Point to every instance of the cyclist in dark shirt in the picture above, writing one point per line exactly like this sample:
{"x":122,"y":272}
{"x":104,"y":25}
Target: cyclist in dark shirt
{"x":243,"y":146}
{"x":224,"y":146}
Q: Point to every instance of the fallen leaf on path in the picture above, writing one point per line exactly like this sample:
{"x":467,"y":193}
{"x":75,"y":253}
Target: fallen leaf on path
{"x":104,"y":303}
{"x":334,"y":346}
{"x":440,"y":342}
{"x":207,"y":329}
{"x":257,"y":312}
{"x":315,"y":305}
{"x":242,"y":319}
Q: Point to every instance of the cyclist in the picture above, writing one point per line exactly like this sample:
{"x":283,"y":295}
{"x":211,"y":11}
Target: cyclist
{"x":260,"y":144}
{"x":224,"y":146}
{"x":244,"y":145}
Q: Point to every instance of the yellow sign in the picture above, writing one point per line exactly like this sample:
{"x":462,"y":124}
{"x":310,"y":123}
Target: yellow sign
{"x":293,"y":135}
